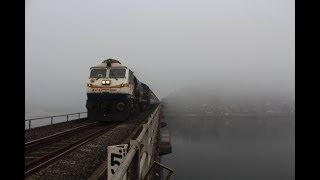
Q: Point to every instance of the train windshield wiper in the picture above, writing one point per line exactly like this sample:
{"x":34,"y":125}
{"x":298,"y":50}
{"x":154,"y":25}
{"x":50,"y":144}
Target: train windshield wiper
{"x":99,"y":76}
{"x":113,"y":75}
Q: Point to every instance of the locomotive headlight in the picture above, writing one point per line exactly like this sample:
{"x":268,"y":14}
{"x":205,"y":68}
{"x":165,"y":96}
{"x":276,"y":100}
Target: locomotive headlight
{"x":106,"y":82}
{"x":89,"y":85}
{"x":122,"y":85}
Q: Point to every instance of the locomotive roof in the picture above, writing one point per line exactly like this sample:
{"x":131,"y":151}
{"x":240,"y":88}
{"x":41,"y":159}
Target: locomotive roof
{"x":110,"y":63}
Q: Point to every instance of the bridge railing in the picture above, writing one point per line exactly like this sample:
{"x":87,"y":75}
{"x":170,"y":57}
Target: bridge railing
{"x":52,"y":117}
{"x":139,"y":156}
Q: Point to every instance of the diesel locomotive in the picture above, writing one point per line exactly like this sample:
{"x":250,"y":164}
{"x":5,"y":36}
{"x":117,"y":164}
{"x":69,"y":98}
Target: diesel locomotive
{"x":114,"y":93}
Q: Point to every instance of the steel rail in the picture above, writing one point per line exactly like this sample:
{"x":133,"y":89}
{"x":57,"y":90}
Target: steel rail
{"x":49,"y":158}
{"x":29,"y":146}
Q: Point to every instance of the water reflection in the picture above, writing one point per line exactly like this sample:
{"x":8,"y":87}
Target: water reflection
{"x":252,"y":147}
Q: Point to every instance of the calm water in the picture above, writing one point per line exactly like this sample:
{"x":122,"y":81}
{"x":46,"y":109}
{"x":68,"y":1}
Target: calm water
{"x":249,"y":148}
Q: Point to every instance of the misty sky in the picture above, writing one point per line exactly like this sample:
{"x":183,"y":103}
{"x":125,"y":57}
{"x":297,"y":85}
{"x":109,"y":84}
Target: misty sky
{"x":169,"y":44}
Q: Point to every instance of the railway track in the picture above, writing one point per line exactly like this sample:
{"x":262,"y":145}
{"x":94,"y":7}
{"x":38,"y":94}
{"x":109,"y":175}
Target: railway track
{"x":41,"y":152}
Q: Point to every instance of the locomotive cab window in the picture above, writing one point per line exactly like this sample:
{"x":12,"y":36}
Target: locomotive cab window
{"x":117,"y":73}
{"x":98,"y":73}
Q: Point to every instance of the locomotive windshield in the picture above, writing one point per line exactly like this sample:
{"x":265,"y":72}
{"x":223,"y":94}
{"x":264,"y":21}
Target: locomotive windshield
{"x":117,"y":73}
{"x":98,"y":73}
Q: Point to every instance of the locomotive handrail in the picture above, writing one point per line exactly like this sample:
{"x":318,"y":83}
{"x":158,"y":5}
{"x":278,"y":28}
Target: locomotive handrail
{"x":53,"y":117}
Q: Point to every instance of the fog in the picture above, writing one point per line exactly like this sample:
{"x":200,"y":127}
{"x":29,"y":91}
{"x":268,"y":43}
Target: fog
{"x":224,"y":70}
{"x":230,"y":134}
{"x":169,"y":44}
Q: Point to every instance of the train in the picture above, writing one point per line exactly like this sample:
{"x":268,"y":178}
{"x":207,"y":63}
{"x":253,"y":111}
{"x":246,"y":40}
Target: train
{"x":114,"y":93}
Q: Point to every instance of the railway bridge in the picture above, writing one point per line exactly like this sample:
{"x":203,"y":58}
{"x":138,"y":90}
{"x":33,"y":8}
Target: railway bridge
{"x":81,"y":149}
